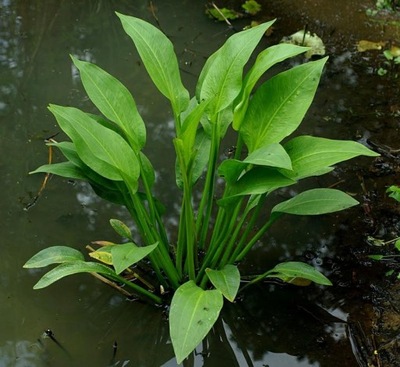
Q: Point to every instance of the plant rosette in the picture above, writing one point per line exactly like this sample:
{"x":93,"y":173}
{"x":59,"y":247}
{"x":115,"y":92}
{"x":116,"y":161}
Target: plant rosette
{"x":200,"y":270}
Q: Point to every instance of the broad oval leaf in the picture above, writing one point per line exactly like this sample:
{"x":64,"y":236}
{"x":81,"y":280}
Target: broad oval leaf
{"x":311,"y":154}
{"x":113,"y":100}
{"x":193,"y":313}
{"x":103,"y":150}
{"x":70,"y":268}
{"x":316,"y":202}
{"x":279,"y":105}
{"x":265,"y":60}
{"x":289,"y":271}
{"x":226,"y":280}
{"x":159,"y":59}
{"x":53,"y":255}
{"x":127,"y":254}
{"x":221,"y":77}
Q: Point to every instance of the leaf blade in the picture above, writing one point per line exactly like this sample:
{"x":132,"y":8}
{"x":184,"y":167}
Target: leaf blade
{"x":113,"y":100}
{"x":70,"y":268}
{"x":158,"y":56}
{"x":279,"y":105}
{"x":193,"y":313}
{"x":226,"y":280}
{"x":315,"y":202}
{"x":291,"y":270}
{"x":127,"y":254}
{"x":53,"y":255}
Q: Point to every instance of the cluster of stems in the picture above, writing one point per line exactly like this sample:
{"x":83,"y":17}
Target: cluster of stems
{"x":223,"y":241}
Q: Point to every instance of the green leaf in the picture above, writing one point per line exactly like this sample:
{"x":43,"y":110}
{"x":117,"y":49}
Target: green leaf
{"x":279,"y":105}
{"x":103,"y":150}
{"x":311,"y":154}
{"x":226,"y":280}
{"x":70,"y":268}
{"x":193,"y":313}
{"x":63,"y":169}
{"x":121,"y":228}
{"x":231,"y":169}
{"x":289,"y":271}
{"x":201,"y":152}
{"x":221,"y":78}
{"x":251,"y":7}
{"x":159,"y":59}
{"x":265,"y":60}
{"x":53,"y":255}
{"x":114,"y":101}
{"x":147,"y":170}
{"x":259,"y":180}
{"x":394,"y":192}
{"x":376,"y":257}
{"x":69,"y":151}
{"x":272,"y":155}
{"x":316,"y":202}
{"x":397,"y":244}
{"x":128,"y":254}
{"x":190,"y":128}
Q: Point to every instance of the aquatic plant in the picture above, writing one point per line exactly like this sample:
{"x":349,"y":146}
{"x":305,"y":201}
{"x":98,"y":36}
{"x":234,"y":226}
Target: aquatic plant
{"x":200,"y":269}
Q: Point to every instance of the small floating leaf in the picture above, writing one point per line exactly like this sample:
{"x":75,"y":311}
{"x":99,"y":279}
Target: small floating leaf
{"x":291,"y":270}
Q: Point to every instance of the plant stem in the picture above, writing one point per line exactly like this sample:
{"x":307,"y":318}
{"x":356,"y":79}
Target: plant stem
{"x":256,"y":237}
{"x":246,"y":232}
{"x":160,"y":255}
{"x":188,"y":228}
{"x":139,"y":290}
{"x":206,"y":203}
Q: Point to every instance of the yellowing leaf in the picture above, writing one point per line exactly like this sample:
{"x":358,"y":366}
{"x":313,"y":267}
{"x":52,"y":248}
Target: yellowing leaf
{"x":103,"y":256}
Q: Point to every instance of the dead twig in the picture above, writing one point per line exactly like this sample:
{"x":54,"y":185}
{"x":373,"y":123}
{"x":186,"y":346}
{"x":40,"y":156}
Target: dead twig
{"x":46,"y":177}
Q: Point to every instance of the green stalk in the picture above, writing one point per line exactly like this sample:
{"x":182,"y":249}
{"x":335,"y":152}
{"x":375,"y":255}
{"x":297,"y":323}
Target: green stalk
{"x":160,"y":256}
{"x":220,"y":248}
{"x":154,"y":217}
{"x":187,"y":213}
{"x":206,"y":203}
{"x":246,"y":232}
{"x":139,"y":290}
{"x":256,"y":237}
{"x":218,"y":245}
{"x":181,"y":239}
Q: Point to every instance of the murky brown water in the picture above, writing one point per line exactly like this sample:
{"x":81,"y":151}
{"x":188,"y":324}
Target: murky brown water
{"x":271,"y":326}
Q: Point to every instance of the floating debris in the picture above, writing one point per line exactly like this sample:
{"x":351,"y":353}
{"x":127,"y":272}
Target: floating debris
{"x":365,"y":45}
{"x":302,"y":38}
